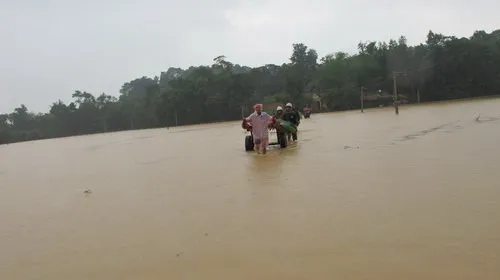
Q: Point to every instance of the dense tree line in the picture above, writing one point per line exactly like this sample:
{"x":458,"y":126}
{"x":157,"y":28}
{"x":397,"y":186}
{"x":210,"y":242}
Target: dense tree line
{"x":445,"y":67}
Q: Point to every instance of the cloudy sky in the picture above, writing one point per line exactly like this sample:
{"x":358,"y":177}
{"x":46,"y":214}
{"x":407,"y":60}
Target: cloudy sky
{"x":49,"y":48}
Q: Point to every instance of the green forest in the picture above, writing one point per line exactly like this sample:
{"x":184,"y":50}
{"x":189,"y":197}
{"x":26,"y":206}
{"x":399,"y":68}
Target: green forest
{"x":444,"y":67}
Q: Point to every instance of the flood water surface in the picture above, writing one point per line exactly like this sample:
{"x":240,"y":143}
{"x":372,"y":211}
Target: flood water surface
{"x":360,"y":196}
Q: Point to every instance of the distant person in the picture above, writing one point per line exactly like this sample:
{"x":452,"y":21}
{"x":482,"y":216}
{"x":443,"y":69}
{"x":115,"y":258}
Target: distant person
{"x":293,"y":117}
{"x":260,"y":123}
{"x":306,"y":112}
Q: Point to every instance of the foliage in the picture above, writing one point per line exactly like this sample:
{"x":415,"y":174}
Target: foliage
{"x":445,"y":67}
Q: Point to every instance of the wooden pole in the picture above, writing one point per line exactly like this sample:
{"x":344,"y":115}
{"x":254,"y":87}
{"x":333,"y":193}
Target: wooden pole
{"x":176,"y":120}
{"x":396,"y":105}
{"x":418,"y":96}
{"x":362,"y":99}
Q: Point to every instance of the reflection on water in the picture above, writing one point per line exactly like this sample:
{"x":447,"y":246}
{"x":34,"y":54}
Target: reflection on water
{"x":268,"y":169}
{"x":360,"y":196}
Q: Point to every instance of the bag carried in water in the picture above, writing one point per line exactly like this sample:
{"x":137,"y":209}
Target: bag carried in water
{"x":287,"y":127}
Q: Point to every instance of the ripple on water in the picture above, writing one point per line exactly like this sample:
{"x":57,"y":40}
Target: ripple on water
{"x":345,"y":213}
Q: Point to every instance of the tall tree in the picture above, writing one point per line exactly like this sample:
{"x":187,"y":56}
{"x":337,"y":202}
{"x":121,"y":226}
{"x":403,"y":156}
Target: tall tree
{"x":444,"y":67}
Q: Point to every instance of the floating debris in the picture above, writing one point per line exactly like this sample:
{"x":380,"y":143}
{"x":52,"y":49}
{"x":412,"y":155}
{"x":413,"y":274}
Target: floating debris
{"x":349,"y":147}
{"x":477,"y":116}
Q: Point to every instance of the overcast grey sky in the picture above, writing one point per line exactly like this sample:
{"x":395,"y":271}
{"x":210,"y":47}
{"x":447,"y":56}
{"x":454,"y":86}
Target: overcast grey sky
{"x":49,"y":48}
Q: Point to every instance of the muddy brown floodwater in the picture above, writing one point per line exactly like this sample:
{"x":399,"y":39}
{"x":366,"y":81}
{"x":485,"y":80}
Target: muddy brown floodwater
{"x":360,"y":196}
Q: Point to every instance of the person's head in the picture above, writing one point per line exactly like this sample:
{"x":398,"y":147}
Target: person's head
{"x":258,"y":108}
{"x":279,"y":110}
{"x":288,"y":106}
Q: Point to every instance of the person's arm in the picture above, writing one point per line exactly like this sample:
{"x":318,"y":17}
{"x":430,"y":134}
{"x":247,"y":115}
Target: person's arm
{"x":249,"y":118}
{"x":247,"y":122}
{"x":271,"y":121}
{"x":298,"y":117}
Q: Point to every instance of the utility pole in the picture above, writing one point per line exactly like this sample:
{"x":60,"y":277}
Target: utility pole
{"x":418,"y":96}
{"x":362,"y":99}
{"x":395,"y":92}
{"x":395,"y":84}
